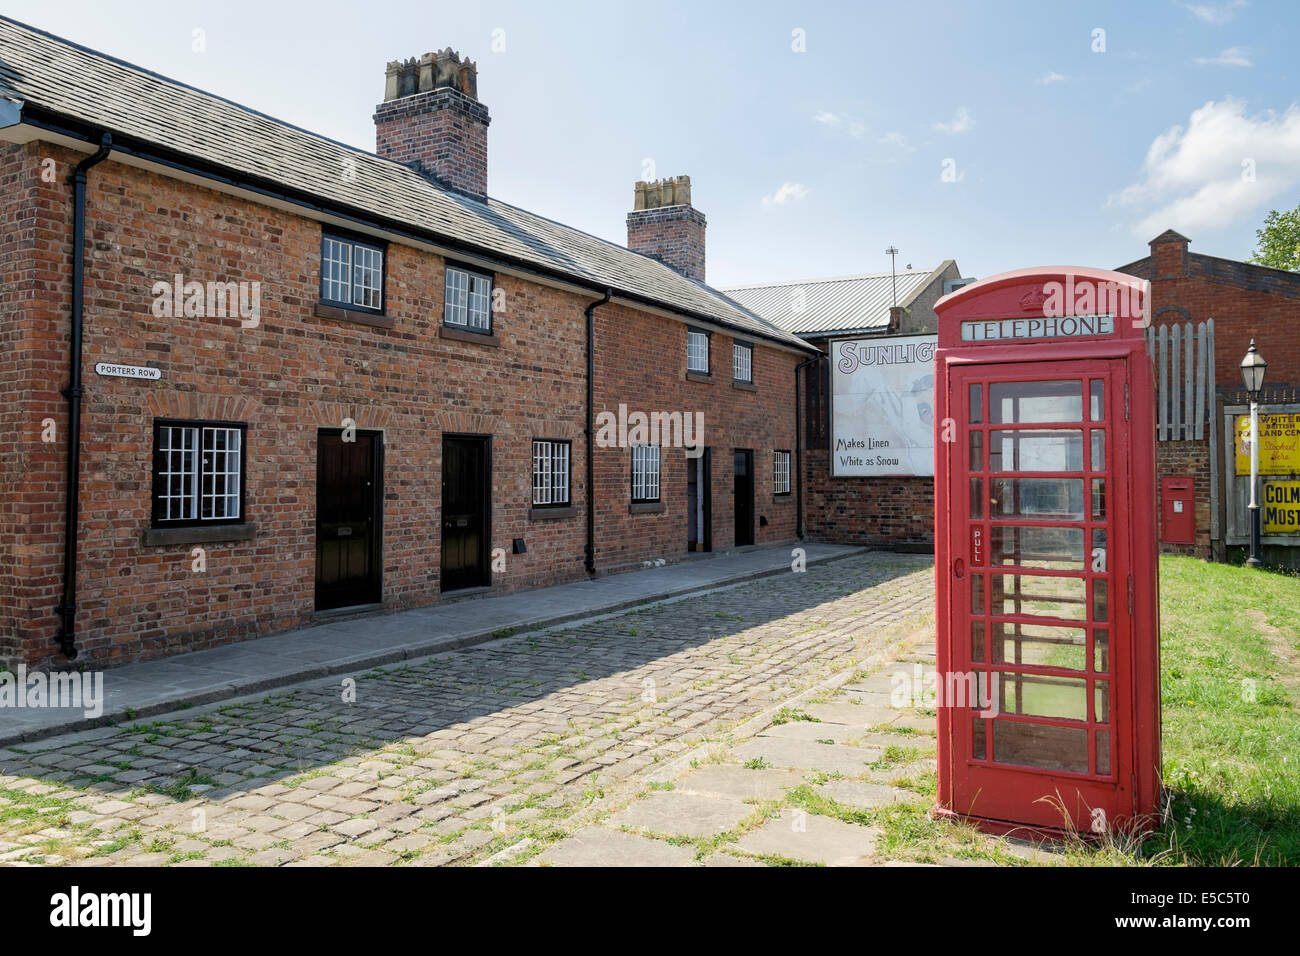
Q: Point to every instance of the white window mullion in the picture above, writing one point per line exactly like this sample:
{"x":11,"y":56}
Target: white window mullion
{"x":550,"y":472}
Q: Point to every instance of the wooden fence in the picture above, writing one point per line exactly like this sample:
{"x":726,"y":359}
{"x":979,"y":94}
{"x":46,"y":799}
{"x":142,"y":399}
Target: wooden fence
{"x":1184,"y":371}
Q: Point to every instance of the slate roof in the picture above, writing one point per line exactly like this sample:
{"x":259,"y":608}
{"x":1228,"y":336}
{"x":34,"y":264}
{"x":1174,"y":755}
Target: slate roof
{"x":137,"y":106}
{"x":848,"y":303}
{"x":1244,"y":275}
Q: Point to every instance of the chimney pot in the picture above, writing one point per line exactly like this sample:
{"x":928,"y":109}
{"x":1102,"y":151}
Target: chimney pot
{"x":428,"y":69}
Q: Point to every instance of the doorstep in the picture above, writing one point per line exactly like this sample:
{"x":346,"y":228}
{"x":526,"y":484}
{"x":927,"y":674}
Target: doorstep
{"x":356,"y":643}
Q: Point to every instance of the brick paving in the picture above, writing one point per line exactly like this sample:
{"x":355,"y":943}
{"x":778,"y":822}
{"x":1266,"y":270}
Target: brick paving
{"x":502,"y":751}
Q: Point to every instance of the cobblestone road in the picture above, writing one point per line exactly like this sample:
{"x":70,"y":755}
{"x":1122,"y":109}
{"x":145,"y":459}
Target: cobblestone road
{"x":460,"y":757}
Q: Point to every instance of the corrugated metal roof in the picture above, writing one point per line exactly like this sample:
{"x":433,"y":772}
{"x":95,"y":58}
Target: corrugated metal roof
{"x":71,"y":81}
{"x":831,"y":305}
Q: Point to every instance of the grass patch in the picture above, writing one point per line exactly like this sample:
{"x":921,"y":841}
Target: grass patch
{"x":1231,"y":748}
{"x":787,"y":714}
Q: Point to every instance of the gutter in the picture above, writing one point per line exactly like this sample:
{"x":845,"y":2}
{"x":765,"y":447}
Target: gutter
{"x":798,"y":446}
{"x":67,"y":607}
{"x":268,"y":189}
{"x":591,"y":429}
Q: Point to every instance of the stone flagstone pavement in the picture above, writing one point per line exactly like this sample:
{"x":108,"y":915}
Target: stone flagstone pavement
{"x":745,"y":726}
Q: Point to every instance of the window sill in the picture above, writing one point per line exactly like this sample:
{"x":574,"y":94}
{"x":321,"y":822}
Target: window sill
{"x":702,"y":377}
{"x":464,"y":335}
{"x":340,"y":314}
{"x":537,"y":513}
{"x":646,"y":508}
{"x":198,"y":534}
{"x":745,"y":386}
{"x":786,"y":497}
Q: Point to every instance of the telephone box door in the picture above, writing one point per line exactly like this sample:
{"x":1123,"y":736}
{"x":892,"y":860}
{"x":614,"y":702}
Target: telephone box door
{"x":1040,"y":593}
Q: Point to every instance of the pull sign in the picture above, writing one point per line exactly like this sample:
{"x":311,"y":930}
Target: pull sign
{"x":977,"y":545}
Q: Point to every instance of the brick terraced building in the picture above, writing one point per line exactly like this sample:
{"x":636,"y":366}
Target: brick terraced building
{"x":312,"y":379}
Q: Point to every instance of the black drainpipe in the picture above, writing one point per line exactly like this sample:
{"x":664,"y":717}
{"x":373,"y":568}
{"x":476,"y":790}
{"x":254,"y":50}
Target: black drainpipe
{"x":798,"y":446}
{"x":67,"y":608}
{"x":591,"y":429}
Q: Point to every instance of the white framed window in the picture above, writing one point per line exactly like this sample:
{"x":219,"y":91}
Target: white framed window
{"x":551,"y":472}
{"x":367,"y":277}
{"x":697,"y":351}
{"x":742,"y":362}
{"x":468,"y":300}
{"x":781,"y":472}
{"x":645,"y":472}
{"x":198,"y":472}
{"x":351,"y":273}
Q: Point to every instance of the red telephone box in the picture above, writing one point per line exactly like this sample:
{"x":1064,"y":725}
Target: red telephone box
{"x":1045,"y":553}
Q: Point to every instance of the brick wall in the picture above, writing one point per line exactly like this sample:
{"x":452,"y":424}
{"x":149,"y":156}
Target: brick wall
{"x":444,"y":130}
{"x":672,"y":234}
{"x":893,"y":513}
{"x":1246,"y":301}
{"x":290,"y":376}
{"x":632,"y":351}
{"x":35,"y":259}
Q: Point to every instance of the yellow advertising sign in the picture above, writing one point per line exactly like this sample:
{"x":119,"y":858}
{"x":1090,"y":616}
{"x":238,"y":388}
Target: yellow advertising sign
{"x":1281,"y":507}
{"x":1279,"y":444}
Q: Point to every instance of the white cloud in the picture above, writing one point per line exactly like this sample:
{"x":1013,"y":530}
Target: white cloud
{"x":1232,"y":56}
{"x":894,"y":138}
{"x":1050,"y":77}
{"x":961,"y":122}
{"x":1223,"y":166}
{"x":789,"y":192}
{"x":854,"y":127}
{"x":1215,"y":14}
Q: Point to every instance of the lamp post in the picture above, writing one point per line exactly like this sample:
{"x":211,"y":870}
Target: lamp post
{"x":1252,"y":373}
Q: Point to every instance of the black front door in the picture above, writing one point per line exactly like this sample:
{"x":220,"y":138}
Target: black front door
{"x":349,"y":518}
{"x":465,"y":529}
{"x":743,"y":496}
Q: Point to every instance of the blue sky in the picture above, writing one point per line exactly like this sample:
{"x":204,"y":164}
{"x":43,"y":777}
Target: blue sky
{"x":807,"y":162}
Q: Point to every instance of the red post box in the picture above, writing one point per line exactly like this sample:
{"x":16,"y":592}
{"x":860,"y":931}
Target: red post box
{"x":1048,"y":677}
{"x":1178,"y":509}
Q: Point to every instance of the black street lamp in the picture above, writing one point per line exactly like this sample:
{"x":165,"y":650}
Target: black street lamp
{"x":1252,"y":373}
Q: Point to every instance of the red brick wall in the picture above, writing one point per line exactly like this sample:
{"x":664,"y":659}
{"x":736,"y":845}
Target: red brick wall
{"x":35,"y":262}
{"x":672,"y":234}
{"x":641,"y":362}
{"x":1176,"y":458}
{"x":291,"y":375}
{"x":880,"y":512}
{"x":1245,"y":302}
{"x":445,"y":130}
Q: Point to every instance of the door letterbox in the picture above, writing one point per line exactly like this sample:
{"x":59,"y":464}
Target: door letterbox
{"x":1178,"y":509}
{"x":1045,"y":554}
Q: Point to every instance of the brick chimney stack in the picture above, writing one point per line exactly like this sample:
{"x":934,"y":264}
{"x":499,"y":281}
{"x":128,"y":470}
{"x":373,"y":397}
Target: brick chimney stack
{"x":1169,"y":255}
{"x":665,"y":226}
{"x":431,"y":119}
